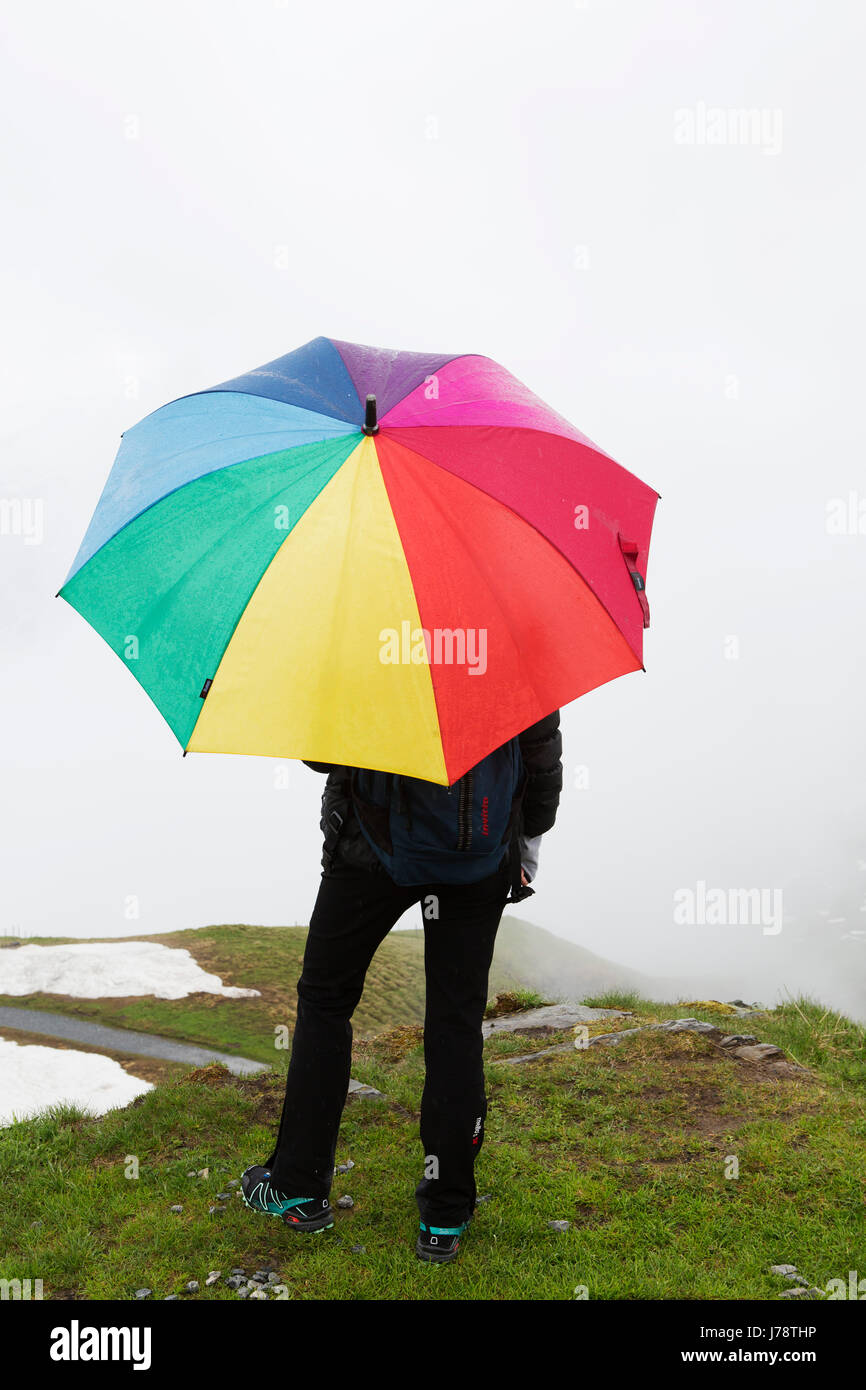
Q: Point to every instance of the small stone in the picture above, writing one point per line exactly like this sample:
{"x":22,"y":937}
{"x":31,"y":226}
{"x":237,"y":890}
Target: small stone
{"x":233,"y":1182}
{"x":488,"y":1197}
{"x":812,"y":1293}
{"x":259,"y":1277}
{"x":341,"y":1168}
{"x":273,"y":1278}
{"x":223,"y":1196}
{"x":259,"y":1293}
{"x":783,"y":1269}
{"x":219,"y":1207}
{"x":244,"y":1292}
{"x":143,"y":1293}
{"x":35,"y":1225}
{"x":345,"y":1201}
{"x":170,"y":1298}
{"x":191,"y":1175}
{"x":202,"y":1173}
{"x":192,"y":1286}
{"x":240,"y":1271}
{"x":234,"y":1281}
{"x":559,"y":1225}
{"x":350,"y":1163}
{"x":212,"y":1278}
{"x":359,"y":1250}
{"x":177,"y":1209}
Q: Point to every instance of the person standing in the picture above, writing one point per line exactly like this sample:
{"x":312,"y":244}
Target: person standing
{"x":358,"y":902}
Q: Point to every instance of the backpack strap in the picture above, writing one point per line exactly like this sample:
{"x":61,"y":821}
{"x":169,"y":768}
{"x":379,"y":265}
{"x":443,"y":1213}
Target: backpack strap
{"x":519,"y":891}
{"x":375,"y":819}
{"x":334,"y":822}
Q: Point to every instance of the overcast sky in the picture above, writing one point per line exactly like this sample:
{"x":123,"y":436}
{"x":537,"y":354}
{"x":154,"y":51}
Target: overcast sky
{"x":652,"y":214}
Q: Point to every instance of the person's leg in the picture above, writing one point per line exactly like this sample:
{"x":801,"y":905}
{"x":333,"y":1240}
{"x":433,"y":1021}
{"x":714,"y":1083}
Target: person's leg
{"x":458,"y":950}
{"x":352,"y":915}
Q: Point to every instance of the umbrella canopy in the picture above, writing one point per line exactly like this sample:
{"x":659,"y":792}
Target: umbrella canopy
{"x":393,"y":560}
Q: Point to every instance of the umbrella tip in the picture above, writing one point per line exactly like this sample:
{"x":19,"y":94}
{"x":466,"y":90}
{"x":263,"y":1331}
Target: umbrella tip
{"x":370,"y":425}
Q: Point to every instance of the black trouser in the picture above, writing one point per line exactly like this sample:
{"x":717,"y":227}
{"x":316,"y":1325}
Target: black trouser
{"x":353,"y":913}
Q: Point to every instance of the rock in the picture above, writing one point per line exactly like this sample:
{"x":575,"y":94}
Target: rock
{"x":240,"y":1271}
{"x":488,"y":1197}
{"x":191,"y":1175}
{"x":350,"y":1162}
{"x":685,"y":1025}
{"x":177,"y":1209}
{"x":258,"y":1293}
{"x":234,"y":1182}
{"x":244,"y":1292}
{"x":143,"y":1293}
{"x":559,"y":1225}
{"x":192,"y":1286}
{"x":784,"y":1270}
{"x":224,"y":1196}
{"x":612,"y":1039}
{"x":550,"y":1018}
{"x":737,"y":1040}
{"x":273,"y":1278}
{"x":36,"y":1225}
{"x":812,"y":1293}
{"x":217,"y":1207}
{"x":234,"y":1281}
{"x":738,"y":1003}
{"x":358,"y":1250}
{"x":760,"y":1052}
{"x":534,"y":1056}
{"x":170,"y":1298}
{"x":345,"y":1201}
{"x":212,"y":1278}
{"x":358,"y":1088}
{"x":259,"y":1277}
{"x":203,"y":1172}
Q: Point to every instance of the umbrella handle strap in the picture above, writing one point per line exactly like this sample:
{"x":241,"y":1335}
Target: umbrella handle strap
{"x":629,"y":551}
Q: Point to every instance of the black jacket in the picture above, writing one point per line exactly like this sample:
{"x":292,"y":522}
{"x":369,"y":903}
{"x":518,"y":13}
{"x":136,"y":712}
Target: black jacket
{"x":541,"y":749}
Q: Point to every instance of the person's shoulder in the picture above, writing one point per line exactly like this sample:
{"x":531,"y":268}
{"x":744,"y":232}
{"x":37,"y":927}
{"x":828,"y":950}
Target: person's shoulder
{"x":544,"y":728}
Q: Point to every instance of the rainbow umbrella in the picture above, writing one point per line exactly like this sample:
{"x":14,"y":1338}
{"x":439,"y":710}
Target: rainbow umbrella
{"x":392,"y":560}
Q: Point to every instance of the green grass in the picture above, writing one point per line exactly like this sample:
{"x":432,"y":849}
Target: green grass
{"x":264,"y":958}
{"x":630,"y":1144}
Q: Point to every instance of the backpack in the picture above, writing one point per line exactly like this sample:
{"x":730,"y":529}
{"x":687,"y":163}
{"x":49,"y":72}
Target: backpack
{"x":426,"y":833}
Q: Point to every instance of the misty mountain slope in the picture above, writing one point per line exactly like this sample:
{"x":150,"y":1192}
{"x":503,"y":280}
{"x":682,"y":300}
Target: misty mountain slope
{"x":529,"y":957}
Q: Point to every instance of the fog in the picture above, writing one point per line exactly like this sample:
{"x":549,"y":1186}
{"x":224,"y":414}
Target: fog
{"x":652,"y":214}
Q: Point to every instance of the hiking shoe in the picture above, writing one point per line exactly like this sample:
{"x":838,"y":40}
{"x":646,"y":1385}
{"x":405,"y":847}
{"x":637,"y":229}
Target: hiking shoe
{"x":439,"y":1244}
{"x":300,"y":1213}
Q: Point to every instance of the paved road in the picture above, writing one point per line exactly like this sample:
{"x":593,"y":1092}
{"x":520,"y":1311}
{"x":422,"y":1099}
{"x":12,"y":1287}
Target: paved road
{"x":122,"y":1039}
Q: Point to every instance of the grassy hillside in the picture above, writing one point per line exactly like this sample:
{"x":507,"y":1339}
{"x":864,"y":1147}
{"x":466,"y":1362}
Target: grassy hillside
{"x":269,"y":959}
{"x":530,"y":957}
{"x":628,"y":1144}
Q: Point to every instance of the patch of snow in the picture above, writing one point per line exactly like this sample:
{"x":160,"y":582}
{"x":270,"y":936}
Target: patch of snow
{"x":33,"y":1077}
{"x":102,"y":970}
